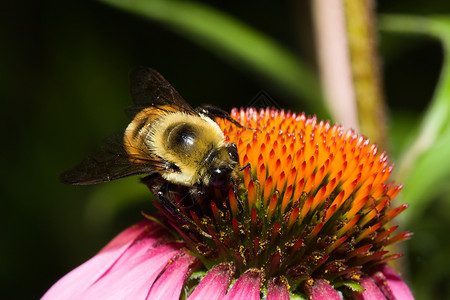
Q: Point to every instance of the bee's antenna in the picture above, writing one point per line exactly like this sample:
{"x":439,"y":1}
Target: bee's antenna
{"x":247,"y":166}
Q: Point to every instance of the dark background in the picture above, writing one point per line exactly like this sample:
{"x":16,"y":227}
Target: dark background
{"x":64,"y":84}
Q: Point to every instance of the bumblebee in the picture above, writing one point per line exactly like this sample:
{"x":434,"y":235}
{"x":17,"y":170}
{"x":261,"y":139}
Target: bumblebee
{"x":167,"y":139}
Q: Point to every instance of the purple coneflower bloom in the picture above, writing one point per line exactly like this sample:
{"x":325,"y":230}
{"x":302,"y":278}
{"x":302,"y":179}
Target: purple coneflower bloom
{"x":309,"y":219}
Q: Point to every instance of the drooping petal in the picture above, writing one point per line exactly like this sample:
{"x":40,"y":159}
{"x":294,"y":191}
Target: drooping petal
{"x":171,"y":282}
{"x":214,"y":285}
{"x":278,"y":289}
{"x":246,"y":287}
{"x":78,"y":280}
{"x":132,"y":277}
{"x":372,"y":292}
{"x":129,"y":235}
{"x":392,"y":286}
{"x":321,"y":290}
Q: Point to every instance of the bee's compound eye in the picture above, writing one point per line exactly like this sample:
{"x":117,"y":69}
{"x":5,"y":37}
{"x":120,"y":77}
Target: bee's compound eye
{"x":220,"y":176}
{"x":233,"y":152}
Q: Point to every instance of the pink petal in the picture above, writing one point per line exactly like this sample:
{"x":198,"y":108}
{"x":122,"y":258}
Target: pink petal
{"x":214,"y":284}
{"x":171,"y":282}
{"x":392,"y":286}
{"x":322,"y":290}
{"x":246,"y":287}
{"x":133,"y":276}
{"x":372,"y":292}
{"x":73,"y":284}
{"x":278,"y":289}
{"x":128,"y":235}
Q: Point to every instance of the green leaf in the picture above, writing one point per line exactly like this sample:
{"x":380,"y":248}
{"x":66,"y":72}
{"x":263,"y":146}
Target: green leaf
{"x":425,"y":164}
{"x":233,"y":41}
{"x":429,"y":177}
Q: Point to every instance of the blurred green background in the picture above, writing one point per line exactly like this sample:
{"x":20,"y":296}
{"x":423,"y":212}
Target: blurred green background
{"x":64,"y":84}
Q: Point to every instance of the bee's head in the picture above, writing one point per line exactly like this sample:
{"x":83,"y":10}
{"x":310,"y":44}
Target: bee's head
{"x":225,"y":166}
{"x":220,"y":176}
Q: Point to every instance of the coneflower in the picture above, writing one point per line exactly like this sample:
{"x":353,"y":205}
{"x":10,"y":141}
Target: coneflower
{"x":310,"y":218}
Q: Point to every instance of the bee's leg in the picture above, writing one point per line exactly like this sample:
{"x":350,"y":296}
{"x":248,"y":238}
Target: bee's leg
{"x":170,"y":208}
{"x":238,"y":199}
{"x":234,"y":187}
{"x":198,"y":191}
{"x":164,"y":192}
{"x":166,"y":204}
{"x":200,"y":196}
{"x":155,"y":183}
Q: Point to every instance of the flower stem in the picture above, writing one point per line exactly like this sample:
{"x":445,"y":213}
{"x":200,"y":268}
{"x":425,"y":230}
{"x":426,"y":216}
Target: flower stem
{"x":334,"y":61}
{"x":364,"y":60}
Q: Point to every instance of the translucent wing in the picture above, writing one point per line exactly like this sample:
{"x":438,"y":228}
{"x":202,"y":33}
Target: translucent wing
{"x":110,"y":163}
{"x":149,"y":88}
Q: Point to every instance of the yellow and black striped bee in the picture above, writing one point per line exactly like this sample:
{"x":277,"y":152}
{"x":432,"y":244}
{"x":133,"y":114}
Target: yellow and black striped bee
{"x":167,"y":139}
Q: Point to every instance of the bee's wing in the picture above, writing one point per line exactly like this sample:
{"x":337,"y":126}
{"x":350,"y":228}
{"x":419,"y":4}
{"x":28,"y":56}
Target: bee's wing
{"x":110,"y":163}
{"x":149,"y":88}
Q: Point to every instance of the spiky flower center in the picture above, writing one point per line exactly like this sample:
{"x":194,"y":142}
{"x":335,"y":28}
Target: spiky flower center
{"x":313,"y":203}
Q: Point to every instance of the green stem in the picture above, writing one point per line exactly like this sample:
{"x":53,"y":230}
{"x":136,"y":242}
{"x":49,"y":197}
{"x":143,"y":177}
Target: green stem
{"x":363,"y":48}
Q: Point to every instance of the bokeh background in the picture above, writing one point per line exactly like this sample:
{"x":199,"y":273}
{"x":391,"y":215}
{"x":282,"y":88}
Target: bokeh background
{"x":64,"y":85}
